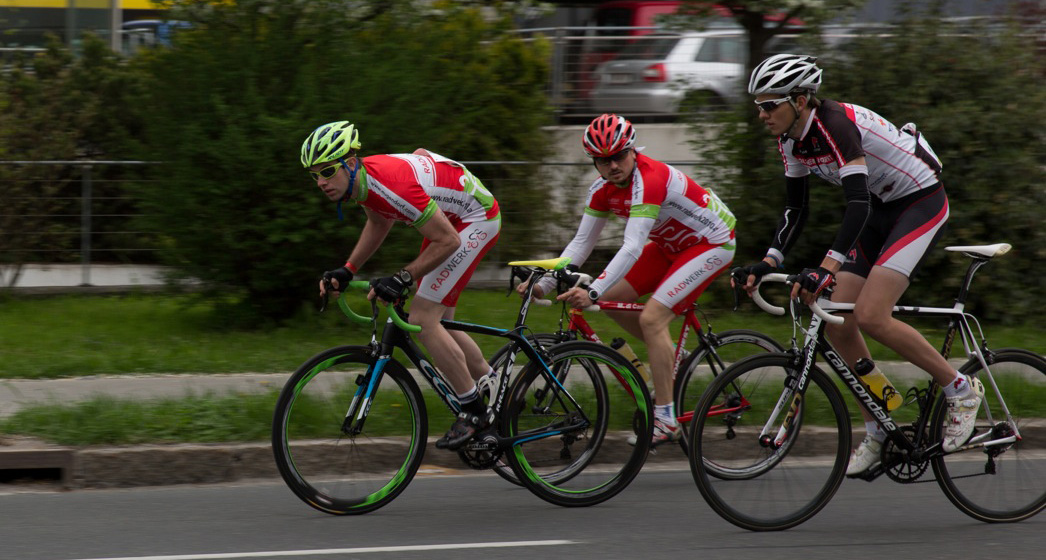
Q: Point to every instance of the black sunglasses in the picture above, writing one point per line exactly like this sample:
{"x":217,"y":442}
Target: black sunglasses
{"x":616,"y":158}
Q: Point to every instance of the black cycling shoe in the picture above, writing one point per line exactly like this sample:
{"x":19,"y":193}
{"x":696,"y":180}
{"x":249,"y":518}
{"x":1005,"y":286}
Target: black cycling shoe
{"x":465,"y":428}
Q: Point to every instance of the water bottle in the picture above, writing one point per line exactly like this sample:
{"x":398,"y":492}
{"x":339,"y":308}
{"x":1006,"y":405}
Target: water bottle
{"x":625,"y":350}
{"x":878,"y":384}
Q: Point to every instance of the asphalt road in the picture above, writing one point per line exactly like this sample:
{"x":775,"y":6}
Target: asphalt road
{"x":661,"y":515}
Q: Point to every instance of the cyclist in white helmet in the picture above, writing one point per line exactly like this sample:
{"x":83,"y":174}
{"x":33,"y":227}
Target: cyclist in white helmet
{"x":896,"y":208}
{"x":460,"y":222}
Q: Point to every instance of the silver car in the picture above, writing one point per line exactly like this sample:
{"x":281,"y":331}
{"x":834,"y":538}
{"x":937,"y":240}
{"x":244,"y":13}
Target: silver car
{"x":652,"y":74}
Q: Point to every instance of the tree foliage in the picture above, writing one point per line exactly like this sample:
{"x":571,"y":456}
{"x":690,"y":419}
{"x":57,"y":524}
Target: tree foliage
{"x":57,"y":107}
{"x":976,"y":94}
{"x":234,"y":98}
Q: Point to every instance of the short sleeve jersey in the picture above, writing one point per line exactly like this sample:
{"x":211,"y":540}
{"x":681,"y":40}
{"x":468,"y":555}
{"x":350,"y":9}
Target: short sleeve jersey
{"x":684,"y":213}
{"x":409,"y":187}
{"x":837,"y":133}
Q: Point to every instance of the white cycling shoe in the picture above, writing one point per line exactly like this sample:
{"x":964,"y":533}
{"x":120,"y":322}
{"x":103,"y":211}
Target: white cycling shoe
{"x":962,"y":415}
{"x":866,"y":456}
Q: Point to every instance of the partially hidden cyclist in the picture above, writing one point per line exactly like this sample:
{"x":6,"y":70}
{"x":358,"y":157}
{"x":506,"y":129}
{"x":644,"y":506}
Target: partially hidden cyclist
{"x":459,"y":220}
{"x":678,"y":238}
{"x":896,"y":208}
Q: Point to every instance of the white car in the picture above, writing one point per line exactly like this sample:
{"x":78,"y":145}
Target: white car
{"x":652,"y":75}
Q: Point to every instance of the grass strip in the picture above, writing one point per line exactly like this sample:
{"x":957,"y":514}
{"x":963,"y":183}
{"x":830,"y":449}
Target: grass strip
{"x":68,"y":336}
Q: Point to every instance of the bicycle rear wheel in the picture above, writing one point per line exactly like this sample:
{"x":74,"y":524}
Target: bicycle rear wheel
{"x":574,"y":424}
{"x":497,"y":362}
{"x":752,"y":399}
{"x":332,"y":459}
{"x":704,"y":364}
{"x":1004,"y":482}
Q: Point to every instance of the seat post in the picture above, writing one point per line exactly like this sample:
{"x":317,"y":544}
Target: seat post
{"x":964,"y":291}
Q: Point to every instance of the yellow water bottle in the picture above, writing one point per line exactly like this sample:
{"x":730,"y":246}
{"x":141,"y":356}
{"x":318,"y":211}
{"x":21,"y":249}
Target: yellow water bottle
{"x":625,"y":350}
{"x":878,"y":384}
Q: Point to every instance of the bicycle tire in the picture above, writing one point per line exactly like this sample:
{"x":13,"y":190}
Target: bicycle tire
{"x":803,"y":480}
{"x":1016,"y":489}
{"x":692,"y":378}
{"x":335,"y":472}
{"x":571,"y":462}
{"x":497,"y":363}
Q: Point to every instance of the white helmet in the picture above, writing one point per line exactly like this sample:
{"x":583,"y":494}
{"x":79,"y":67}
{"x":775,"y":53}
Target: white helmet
{"x":785,"y":73}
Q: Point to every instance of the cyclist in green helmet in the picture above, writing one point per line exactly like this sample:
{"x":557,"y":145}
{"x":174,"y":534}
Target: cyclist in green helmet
{"x":459,"y":220}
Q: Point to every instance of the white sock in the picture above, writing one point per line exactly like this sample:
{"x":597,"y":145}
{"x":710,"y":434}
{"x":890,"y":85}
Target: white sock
{"x":468,"y":396}
{"x":665,"y":413}
{"x":959,"y":386}
{"x":875,"y":431}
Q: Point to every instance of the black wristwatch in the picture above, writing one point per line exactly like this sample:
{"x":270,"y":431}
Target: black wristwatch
{"x":593,"y":295}
{"x":405,"y":277}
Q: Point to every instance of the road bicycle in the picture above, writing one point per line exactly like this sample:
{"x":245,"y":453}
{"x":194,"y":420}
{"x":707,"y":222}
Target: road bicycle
{"x":784,"y":405}
{"x":694,"y":366}
{"x":350,"y":425}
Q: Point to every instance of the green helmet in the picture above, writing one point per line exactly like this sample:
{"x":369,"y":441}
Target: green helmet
{"x":329,"y":142}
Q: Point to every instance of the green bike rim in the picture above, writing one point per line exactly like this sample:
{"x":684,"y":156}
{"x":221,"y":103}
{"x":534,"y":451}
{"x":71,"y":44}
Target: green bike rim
{"x":401,"y":473}
{"x":533,"y":476}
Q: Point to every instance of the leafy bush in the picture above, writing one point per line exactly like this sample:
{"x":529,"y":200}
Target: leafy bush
{"x":60,"y":107}
{"x":234,"y":98}
{"x":976,"y":93}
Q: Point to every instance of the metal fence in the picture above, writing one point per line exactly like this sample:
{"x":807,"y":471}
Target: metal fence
{"x":64,"y":212}
{"x":88,"y":213}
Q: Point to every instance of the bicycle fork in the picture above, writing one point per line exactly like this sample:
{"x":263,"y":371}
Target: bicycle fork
{"x":367,"y":384}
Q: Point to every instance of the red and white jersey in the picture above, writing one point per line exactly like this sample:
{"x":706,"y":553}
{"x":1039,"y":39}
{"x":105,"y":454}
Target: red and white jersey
{"x":898,"y":162}
{"x":684,"y":213}
{"x":662,"y":206}
{"x":409,"y":187}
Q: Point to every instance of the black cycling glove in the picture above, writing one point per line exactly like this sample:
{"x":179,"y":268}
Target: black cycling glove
{"x":390,"y":288}
{"x":343,"y":275}
{"x":815,"y":280}
{"x":759,"y":269}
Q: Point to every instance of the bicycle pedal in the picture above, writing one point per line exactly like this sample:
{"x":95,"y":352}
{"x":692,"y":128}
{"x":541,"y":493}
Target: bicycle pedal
{"x":870,"y":474}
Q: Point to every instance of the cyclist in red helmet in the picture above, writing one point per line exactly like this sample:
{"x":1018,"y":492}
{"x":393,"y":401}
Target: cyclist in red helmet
{"x":678,"y":238}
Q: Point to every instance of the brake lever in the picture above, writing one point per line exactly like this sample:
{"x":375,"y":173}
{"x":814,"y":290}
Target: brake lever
{"x":327,"y":287}
{"x":740,"y":278}
{"x":523,"y":273}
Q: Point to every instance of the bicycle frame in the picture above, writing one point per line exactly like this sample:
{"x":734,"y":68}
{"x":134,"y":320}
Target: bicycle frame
{"x":395,"y":335}
{"x":815,"y":342}
{"x":578,"y":324}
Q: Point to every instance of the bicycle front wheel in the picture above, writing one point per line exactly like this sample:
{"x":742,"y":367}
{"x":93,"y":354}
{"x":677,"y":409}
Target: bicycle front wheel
{"x":737,"y":428}
{"x":572,"y":424}
{"x":707,"y":362}
{"x":339,"y":452}
{"x":1004,"y":482}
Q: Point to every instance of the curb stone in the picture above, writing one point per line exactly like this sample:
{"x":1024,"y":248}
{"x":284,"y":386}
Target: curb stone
{"x":165,"y":465}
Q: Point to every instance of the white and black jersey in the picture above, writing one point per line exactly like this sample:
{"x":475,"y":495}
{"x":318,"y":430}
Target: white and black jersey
{"x":898,"y":162}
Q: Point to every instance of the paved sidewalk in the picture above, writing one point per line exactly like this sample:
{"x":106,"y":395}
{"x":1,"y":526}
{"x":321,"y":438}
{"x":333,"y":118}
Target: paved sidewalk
{"x":15,"y":394}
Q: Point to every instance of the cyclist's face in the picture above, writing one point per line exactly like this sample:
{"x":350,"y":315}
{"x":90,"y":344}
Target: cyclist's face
{"x":332,"y":178}
{"x":617,"y":168}
{"x":778,"y":119}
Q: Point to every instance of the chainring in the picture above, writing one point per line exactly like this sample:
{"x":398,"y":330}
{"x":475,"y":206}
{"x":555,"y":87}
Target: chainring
{"x":905,"y":470}
{"x":481,"y":453}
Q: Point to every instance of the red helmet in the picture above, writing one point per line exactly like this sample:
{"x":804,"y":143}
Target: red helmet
{"x":607,"y":135}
